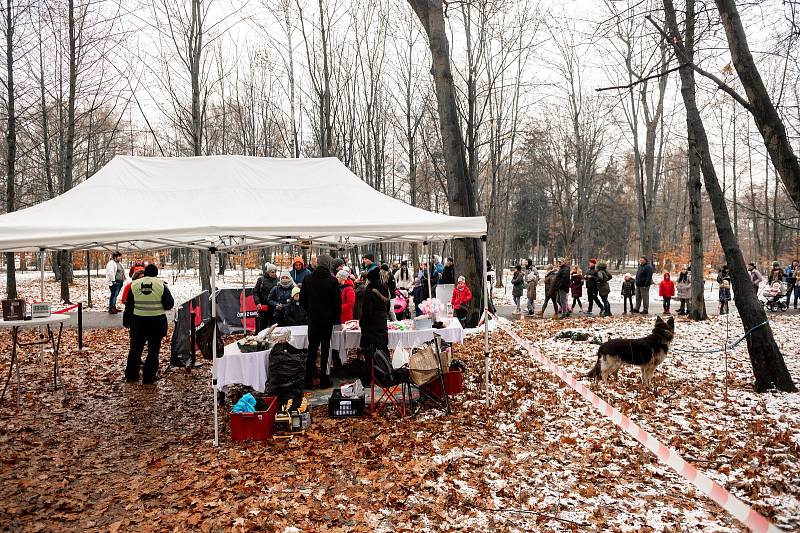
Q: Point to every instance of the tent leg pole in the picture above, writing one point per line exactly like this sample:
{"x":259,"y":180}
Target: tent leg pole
{"x":41,"y":299}
{"x":486,"y":294}
{"x":244,"y":298}
{"x":213,"y":252}
{"x":429,"y":268}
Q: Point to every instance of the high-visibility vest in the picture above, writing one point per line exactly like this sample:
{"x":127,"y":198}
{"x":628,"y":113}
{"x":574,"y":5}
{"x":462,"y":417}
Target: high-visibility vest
{"x":147,"y":293}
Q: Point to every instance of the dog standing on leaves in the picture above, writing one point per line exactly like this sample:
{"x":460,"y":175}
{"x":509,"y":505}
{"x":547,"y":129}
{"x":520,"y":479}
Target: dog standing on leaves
{"x":646,"y":353}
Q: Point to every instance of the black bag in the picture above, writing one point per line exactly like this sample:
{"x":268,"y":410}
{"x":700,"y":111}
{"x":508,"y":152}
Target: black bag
{"x":287,"y":373}
{"x":385,"y":374}
{"x":204,"y":336}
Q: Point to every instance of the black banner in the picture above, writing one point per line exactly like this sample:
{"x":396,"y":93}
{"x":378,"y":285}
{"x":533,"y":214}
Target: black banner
{"x":200,"y":305}
{"x":229,"y":310}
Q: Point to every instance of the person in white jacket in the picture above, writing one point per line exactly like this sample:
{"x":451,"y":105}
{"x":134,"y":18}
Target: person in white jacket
{"x":115,"y":277}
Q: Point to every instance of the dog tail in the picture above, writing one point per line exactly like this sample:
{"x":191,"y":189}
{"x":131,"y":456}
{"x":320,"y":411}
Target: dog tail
{"x":594,"y":373}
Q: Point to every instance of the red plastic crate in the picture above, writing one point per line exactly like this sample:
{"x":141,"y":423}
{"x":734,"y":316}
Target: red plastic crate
{"x":453,"y":383}
{"x":255,"y":426}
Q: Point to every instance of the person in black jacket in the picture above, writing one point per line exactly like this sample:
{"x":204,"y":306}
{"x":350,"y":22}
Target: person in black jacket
{"x":448,"y":276}
{"x":644,"y":278}
{"x":374,"y":314}
{"x":321,"y":298}
{"x":264,"y":284}
{"x":591,"y":287}
{"x":145,"y":309}
{"x":293,"y":313}
{"x":561,"y":285}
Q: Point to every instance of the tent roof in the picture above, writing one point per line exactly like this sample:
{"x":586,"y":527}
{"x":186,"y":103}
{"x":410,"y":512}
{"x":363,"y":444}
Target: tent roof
{"x":225,"y":202}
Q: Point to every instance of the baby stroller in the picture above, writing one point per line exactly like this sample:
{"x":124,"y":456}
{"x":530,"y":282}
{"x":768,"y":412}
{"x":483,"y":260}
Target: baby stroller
{"x":400,"y":304}
{"x":774,"y":295}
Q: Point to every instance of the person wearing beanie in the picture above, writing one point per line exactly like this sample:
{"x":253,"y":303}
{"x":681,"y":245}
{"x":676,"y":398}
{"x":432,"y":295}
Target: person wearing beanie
{"x":348,"y":293}
{"x":776,"y":274}
{"x":683,"y":290}
{"x":280,"y":296}
{"x":325,"y":261}
{"x":137,"y":271}
{"x":338,"y":265}
{"x":461,"y":299}
{"x":517,"y":288}
{"x":560,"y":287}
{"x":299,"y":270}
{"x":591,"y":287}
{"x":322,"y":300}
{"x":368,"y":262}
{"x":264,"y":285}
{"x":149,"y":299}
{"x":293,"y":313}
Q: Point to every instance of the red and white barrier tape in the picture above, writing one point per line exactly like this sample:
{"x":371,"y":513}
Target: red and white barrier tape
{"x":65,"y":310}
{"x":733,"y":505}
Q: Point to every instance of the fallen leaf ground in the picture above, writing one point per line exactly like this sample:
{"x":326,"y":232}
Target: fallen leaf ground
{"x":103,"y":455}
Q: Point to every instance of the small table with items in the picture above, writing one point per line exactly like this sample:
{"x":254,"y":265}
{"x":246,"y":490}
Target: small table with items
{"x":16,"y":325}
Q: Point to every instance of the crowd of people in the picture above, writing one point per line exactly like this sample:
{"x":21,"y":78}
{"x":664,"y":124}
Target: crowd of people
{"x":563,"y":282}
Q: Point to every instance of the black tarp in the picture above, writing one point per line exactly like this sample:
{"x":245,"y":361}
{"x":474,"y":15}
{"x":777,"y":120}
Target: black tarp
{"x":229,"y":310}
{"x":180,"y":345}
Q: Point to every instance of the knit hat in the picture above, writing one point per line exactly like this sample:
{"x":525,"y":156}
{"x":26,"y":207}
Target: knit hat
{"x":592,"y":261}
{"x":295,"y":291}
{"x":628,"y":275}
{"x":462,"y":278}
{"x":343,"y":274}
{"x":137,"y":272}
{"x":285,"y":285}
{"x":298,"y":259}
{"x":776,"y":264}
{"x":324,"y":261}
{"x":338,"y":262}
{"x":371,"y":257}
{"x":269,"y":267}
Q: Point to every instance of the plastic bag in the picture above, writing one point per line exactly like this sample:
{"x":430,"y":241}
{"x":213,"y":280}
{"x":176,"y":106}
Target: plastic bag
{"x":400,"y":357}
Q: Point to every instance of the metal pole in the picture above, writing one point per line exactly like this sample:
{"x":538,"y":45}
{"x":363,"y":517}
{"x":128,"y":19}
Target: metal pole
{"x":244,"y":297}
{"x":80,"y":326}
{"x":213,"y":252}
{"x":538,"y":229}
{"x":430,"y":266}
{"x":41,"y":299}
{"x":486,"y":294}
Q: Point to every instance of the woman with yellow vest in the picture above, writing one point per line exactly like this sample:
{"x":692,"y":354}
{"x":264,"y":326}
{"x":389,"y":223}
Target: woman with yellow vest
{"x":145,"y":309}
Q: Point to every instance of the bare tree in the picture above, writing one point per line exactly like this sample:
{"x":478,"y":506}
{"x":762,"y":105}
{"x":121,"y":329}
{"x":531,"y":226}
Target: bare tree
{"x":460,"y":189}
{"x":769,"y":367}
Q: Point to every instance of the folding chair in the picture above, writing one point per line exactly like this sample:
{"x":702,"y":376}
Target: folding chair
{"x":425,"y":393}
{"x":398,"y":378}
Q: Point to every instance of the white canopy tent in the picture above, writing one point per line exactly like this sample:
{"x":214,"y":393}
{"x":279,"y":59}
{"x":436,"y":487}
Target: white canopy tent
{"x":221,"y":203}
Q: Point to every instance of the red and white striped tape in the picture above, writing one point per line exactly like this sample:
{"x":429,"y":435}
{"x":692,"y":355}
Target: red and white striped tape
{"x":65,"y":310}
{"x":733,"y":505}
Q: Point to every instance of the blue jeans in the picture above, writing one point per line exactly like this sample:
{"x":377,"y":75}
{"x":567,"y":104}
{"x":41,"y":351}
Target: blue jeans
{"x":116,"y":287}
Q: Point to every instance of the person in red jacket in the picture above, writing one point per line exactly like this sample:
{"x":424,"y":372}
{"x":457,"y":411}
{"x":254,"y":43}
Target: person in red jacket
{"x":136,"y":272}
{"x":666,"y":290}
{"x":461,"y":299}
{"x":348,"y":295}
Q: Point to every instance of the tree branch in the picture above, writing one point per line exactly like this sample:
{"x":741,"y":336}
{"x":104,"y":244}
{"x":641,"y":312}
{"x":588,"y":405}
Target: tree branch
{"x":642,"y":80}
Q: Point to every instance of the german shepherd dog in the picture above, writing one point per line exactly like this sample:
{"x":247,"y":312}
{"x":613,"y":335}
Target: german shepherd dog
{"x":646,"y":353}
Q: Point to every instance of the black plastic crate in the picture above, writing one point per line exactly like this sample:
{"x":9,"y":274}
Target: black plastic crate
{"x":340,"y":407}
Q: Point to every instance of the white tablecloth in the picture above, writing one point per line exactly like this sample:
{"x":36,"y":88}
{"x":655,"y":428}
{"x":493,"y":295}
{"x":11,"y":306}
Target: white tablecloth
{"x":252,"y":369}
{"x":349,"y":340}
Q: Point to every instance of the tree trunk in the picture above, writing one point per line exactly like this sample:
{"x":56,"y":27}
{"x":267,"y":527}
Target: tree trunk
{"x":769,"y":367}
{"x":698,"y":303}
{"x":11,"y":144}
{"x":766,"y":116}
{"x":460,"y":189}
{"x":65,"y":258}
